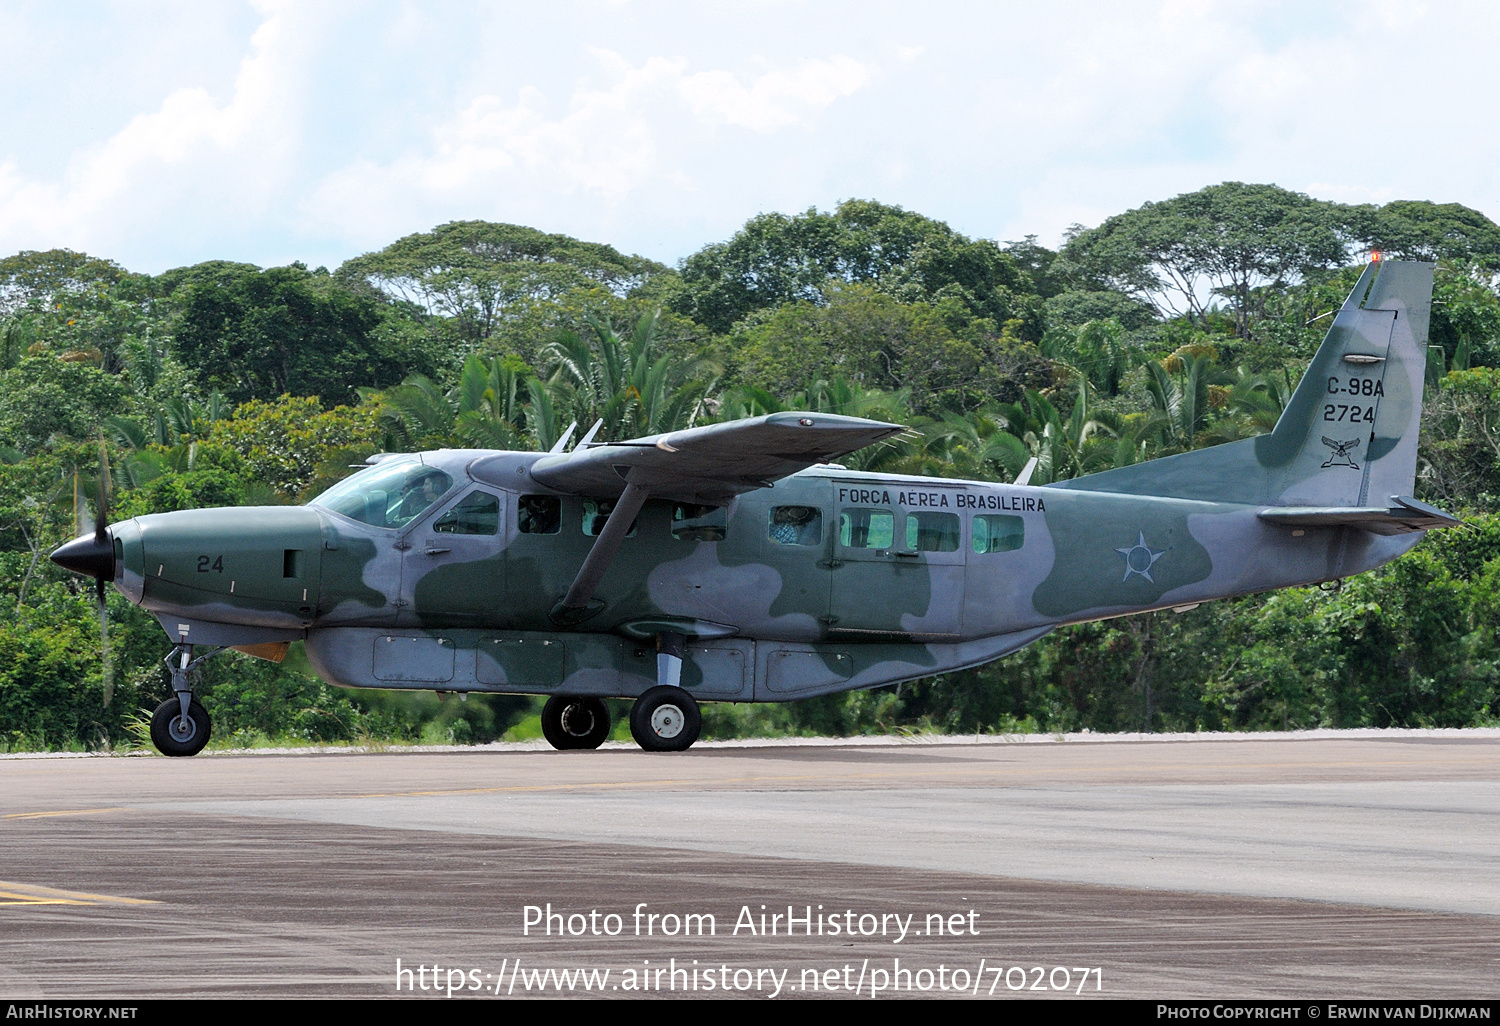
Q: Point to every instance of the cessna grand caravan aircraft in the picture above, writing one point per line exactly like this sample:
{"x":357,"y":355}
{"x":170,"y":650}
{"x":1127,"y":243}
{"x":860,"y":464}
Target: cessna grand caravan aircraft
{"x":736,"y":562}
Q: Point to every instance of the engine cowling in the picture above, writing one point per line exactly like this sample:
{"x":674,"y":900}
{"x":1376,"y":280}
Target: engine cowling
{"x":253,"y":564}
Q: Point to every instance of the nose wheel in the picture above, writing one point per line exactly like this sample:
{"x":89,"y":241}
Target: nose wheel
{"x":177,"y":735}
{"x":180,"y":726}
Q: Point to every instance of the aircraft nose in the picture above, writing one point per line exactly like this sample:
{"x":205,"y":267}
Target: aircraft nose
{"x":92,"y":555}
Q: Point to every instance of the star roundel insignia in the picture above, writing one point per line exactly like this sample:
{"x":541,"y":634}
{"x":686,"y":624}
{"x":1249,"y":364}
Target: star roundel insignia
{"x":1140,"y":558}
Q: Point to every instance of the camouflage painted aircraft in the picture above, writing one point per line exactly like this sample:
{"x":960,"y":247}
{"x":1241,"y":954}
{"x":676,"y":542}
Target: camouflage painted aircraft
{"x":736,"y":562}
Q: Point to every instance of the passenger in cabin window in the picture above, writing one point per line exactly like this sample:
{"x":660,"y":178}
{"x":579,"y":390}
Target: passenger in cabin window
{"x":539,"y":514}
{"x":797,"y":525}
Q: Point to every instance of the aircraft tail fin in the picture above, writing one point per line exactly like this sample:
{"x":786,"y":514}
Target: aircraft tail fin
{"x":1348,"y":437}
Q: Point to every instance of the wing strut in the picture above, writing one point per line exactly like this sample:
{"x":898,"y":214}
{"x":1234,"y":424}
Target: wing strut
{"x":603,"y":553}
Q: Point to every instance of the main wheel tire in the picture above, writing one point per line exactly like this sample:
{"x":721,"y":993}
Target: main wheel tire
{"x":665,"y":719}
{"x":168,"y":734}
{"x":571,"y":722}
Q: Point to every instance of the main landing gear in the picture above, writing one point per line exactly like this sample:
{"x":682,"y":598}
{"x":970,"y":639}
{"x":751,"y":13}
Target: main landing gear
{"x":664,"y":719}
{"x":180,"y":726}
{"x":570,"y":722}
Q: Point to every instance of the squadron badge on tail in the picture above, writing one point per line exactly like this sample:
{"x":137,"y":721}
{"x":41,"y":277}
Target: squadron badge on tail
{"x":1340,"y":456}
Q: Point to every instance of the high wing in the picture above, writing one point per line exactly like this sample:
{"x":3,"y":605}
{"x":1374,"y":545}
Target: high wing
{"x":1403,"y":516}
{"x":707,"y":465}
{"x":714,"y":463}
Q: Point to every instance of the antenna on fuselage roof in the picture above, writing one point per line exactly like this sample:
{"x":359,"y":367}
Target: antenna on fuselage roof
{"x":562,"y":442}
{"x":1024,"y":477}
{"x":583,"y":443}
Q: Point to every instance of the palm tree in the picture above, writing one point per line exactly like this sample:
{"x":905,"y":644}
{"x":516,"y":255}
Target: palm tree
{"x":492,"y":410}
{"x":1260,"y":397}
{"x":1179,"y":391}
{"x":1096,"y":350}
{"x":485,"y":410}
{"x":620,"y":380}
{"x":500,"y":404}
{"x":977,"y":445}
{"x":416,"y":414}
{"x":168,"y":440}
{"x":1043,"y":434}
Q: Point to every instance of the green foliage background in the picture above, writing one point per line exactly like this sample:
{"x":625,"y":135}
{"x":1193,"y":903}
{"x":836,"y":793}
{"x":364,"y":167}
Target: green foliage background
{"x":1183,"y":323}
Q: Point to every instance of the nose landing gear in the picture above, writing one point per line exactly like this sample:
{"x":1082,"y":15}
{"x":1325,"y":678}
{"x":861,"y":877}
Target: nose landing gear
{"x":178,"y":734}
{"x":180,"y":725}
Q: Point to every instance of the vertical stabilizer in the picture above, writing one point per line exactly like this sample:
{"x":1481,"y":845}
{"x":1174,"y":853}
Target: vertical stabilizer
{"x":1348,"y":437}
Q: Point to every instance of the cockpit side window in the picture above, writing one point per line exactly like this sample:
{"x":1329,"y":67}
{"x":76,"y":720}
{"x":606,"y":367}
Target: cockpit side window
{"x":478,"y":513}
{"x":391,"y":494}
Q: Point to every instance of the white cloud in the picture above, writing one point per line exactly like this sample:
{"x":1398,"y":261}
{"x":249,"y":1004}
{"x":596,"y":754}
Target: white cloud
{"x":613,"y":139}
{"x":604,"y":142}
{"x":191,"y":156}
{"x":776,"y":99}
{"x":314,"y":131}
{"x":1342,"y":193}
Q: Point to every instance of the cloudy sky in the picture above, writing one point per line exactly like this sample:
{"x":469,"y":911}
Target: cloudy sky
{"x":162,"y":133}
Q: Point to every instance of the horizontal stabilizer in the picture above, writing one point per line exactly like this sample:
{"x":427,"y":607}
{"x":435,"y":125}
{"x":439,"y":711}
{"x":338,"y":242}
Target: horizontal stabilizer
{"x":1402,"y":517}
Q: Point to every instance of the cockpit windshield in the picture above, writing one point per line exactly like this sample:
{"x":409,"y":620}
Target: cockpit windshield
{"x":392,"y":493}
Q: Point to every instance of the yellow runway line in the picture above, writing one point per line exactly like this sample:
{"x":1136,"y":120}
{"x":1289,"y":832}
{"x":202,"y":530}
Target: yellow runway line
{"x":61,"y":812}
{"x":34,"y":894}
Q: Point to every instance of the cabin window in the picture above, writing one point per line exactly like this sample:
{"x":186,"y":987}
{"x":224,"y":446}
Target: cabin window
{"x":797,"y":525}
{"x":993,"y":533}
{"x":932,"y":532}
{"x":697,"y":523}
{"x":390,"y":494}
{"x":539,"y":514}
{"x":596,"y":514}
{"x":478,"y":513}
{"x":867,"y":528}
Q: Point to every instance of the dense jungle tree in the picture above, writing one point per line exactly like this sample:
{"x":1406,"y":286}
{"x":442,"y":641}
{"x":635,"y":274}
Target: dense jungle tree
{"x":476,"y":273}
{"x":942,"y":355}
{"x":1227,"y":242}
{"x":256,"y":334}
{"x":776,"y":259}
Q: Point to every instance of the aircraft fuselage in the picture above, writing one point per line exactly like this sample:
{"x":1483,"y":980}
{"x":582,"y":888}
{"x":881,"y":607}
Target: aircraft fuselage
{"x":830,"y":580}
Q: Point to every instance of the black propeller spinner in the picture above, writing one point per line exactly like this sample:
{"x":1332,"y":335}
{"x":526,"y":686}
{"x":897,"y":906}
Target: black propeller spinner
{"x":92,"y":555}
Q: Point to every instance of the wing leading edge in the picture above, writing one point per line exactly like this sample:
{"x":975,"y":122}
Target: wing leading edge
{"x":711,"y":464}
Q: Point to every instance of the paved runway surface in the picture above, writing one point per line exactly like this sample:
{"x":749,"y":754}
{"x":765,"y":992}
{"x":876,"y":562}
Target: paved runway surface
{"x":1347,"y":867}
